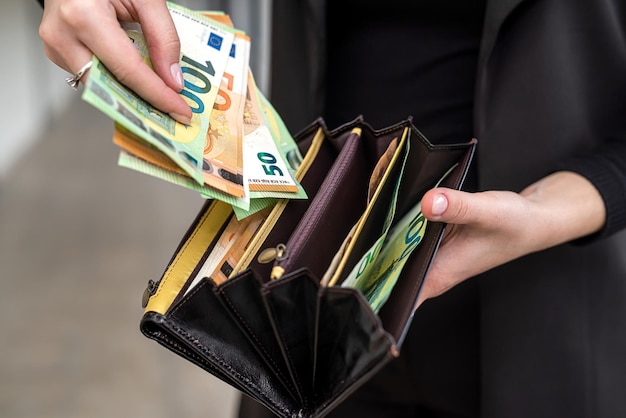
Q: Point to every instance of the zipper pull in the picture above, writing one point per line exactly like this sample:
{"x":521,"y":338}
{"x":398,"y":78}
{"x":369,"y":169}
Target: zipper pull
{"x":268,"y":255}
{"x":150,"y":290}
{"x":277,"y":272}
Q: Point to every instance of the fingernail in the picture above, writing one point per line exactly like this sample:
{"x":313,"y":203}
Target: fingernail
{"x":440,"y":204}
{"x":177,"y":73}
{"x":185,"y":120}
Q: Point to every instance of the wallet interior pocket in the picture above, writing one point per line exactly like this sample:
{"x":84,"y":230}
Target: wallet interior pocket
{"x":331,"y":213}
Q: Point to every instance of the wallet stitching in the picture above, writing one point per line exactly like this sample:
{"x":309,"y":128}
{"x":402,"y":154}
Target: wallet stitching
{"x":205,"y":349}
{"x":191,"y":293}
{"x":222,"y":362}
{"x":253,"y":335}
{"x":163,"y":336}
{"x":330,"y":186}
{"x":296,"y":376}
{"x":431,"y":248}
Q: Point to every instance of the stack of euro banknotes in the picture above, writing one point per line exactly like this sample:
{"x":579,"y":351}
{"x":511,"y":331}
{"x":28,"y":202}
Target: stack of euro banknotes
{"x":235,"y":149}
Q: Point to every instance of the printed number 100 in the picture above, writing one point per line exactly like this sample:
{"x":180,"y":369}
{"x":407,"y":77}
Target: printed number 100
{"x":199,"y":71}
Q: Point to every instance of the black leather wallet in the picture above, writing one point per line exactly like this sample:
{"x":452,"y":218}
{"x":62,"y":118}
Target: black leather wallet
{"x":275,"y":320}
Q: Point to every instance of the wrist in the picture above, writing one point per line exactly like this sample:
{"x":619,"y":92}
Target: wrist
{"x":565,"y":206}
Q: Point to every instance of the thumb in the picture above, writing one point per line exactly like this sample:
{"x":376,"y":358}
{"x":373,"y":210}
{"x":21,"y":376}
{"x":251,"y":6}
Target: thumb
{"x":453,"y":206}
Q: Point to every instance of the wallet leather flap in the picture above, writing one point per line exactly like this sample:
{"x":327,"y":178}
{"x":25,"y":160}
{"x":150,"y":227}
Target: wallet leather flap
{"x":292,"y":305}
{"x":350,"y":345}
{"x":200,"y":329}
{"x":242,"y":297}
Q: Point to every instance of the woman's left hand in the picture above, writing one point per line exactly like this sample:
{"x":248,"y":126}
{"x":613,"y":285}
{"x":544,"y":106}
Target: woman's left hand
{"x":488,"y":229}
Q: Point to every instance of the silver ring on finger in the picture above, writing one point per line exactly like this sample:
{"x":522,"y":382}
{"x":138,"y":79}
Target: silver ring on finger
{"x":74,"y":81}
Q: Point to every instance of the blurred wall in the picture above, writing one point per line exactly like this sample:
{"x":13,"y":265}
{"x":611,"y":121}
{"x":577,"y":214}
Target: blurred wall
{"x":34,"y":90}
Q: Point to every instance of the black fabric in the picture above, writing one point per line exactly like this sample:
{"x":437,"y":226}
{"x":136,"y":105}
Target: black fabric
{"x":298,"y":74}
{"x":549,"y":98}
{"x":407,"y":58}
{"x":305,"y":49}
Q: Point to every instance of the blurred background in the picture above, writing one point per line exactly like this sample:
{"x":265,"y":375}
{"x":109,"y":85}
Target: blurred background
{"x":79,"y":239}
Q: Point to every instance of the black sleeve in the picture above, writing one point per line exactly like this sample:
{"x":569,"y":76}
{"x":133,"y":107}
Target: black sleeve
{"x":606,"y":170}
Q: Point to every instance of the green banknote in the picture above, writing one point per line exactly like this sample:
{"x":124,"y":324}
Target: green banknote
{"x":205,"y":47}
{"x":402,"y":239}
{"x":130,"y":161}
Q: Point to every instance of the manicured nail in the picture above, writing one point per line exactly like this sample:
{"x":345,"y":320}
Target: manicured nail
{"x":181,"y":118}
{"x":177,"y":73}
{"x":440,"y":204}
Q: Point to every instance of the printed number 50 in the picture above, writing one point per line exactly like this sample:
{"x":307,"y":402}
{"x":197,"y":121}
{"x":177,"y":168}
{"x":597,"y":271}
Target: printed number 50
{"x":268,"y":161}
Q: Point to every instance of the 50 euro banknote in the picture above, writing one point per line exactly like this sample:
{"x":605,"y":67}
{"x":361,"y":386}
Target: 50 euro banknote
{"x":387,"y":258}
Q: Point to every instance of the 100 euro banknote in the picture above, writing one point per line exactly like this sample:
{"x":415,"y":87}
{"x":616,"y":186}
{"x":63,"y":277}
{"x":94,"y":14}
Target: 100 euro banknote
{"x":205,"y":48}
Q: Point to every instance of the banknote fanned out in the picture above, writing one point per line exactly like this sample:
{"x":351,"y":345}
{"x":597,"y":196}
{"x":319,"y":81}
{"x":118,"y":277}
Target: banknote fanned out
{"x":132,"y":162}
{"x":205,"y":48}
{"x":236,"y":148}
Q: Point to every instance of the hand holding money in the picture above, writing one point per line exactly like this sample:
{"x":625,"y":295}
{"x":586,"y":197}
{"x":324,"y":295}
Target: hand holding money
{"x":234,"y":147}
{"x":74,"y":31}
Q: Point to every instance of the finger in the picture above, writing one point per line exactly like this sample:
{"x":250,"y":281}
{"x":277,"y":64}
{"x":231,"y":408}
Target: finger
{"x":57,"y":43}
{"x":163,"y":43}
{"x":119,"y":55}
{"x":80,"y":56}
{"x":72,"y":62}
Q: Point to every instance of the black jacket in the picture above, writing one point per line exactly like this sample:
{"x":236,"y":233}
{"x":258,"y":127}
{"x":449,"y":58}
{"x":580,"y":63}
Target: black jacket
{"x":550,"y":95}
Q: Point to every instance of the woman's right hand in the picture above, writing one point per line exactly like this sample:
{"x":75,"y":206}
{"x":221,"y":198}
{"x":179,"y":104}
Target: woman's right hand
{"x":75,"y":30}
